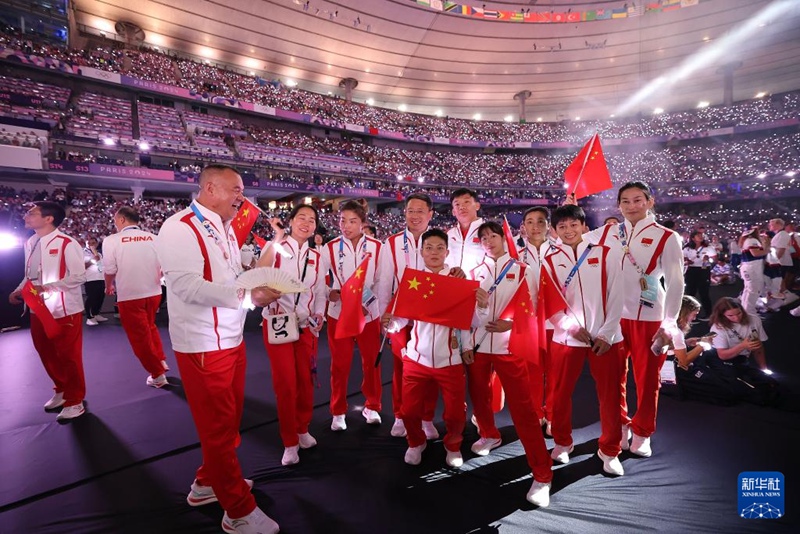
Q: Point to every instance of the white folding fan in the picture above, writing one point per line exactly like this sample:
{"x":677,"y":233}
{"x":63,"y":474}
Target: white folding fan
{"x":270,"y":277}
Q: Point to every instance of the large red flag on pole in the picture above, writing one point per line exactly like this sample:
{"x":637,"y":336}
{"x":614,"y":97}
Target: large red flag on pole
{"x":35,"y":302}
{"x":510,"y":245}
{"x":437,"y":299}
{"x":351,"y":319}
{"x":245,"y":219}
{"x":588,"y":173}
{"x":551,"y":300}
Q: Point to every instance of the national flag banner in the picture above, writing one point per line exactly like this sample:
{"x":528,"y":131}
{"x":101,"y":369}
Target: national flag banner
{"x":510,"y":245}
{"x":245,"y":219}
{"x":434,"y":298}
{"x":551,"y":300}
{"x":437,"y":5}
{"x":449,"y":6}
{"x":524,"y":334}
{"x":588,"y":173}
{"x":559,"y":17}
{"x":573,"y":16}
{"x":351,"y":319}
{"x":35,"y":301}
{"x":260,"y":241}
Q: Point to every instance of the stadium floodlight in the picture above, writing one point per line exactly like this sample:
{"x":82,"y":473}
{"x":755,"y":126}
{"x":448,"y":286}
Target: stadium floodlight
{"x":402,"y":107}
{"x":703,"y":104}
{"x":109,"y":142}
{"x":9,"y":241}
{"x":144,"y":146}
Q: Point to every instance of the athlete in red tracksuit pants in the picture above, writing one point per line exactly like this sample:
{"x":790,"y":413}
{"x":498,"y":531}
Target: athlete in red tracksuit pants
{"x":54,"y":265}
{"x":342,"y":257}
{"x":652,"y":275}
{"x":199,"y":254}
{"x":587,"y":330}
{"x":132,"y":271}
{"x":399,"y":251}
{"x":486,"y":349}
{"x":292,"y":362}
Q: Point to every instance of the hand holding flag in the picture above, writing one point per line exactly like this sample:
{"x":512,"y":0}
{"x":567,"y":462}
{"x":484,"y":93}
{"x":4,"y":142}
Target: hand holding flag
{"x":33,"y":298}
{"x":245,"y":219}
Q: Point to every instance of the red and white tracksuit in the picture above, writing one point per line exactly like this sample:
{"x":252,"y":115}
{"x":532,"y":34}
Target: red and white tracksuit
{"x":595,"y":298}
{"x":292,"y":362}
{"x":539,"y":365}
{"x":130,"y":262}
{"x":55,"y":262}
{"x":657,"y":252}
{"x":431,"y":361}
{"x":343,"y":259}
{"x":399,"y":251}
{"x":491,"y":353}
{"x":206,"y":318}
{"x":465,"y":250}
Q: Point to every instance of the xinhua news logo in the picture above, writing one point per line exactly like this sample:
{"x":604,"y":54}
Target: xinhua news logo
{"x":761,"y":495}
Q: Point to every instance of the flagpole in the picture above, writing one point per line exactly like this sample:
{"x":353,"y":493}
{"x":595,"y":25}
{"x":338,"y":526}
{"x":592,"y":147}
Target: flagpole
{"x":585,"y":159}
{"x":386,"y":334}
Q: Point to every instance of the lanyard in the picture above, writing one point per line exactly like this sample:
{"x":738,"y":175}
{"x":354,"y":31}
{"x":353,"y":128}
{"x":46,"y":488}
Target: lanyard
{"x":211,"y":231}
{"x":502,"y":275}
{"x":341,"y":256}
{"x":30,"y":259}
{"x":576,"y":266}
{"x":405,"y":246}
{"x":626,"y":249}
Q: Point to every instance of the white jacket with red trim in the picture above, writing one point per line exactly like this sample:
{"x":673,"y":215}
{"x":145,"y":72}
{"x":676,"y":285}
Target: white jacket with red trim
{"x":343,"y":265}
{"x":305,"y":264}
{"x":130,"y":255}
{"x":433,"y":345}
{"x":594,"y":294}
{"x":486,"y":273}
{"x":61,"y":272}
{"x":398,"y":252}
{"x":465,"y":252}
{"x":657,"y":250}
{"x":532,"y":257}
{"x":205,"y":311}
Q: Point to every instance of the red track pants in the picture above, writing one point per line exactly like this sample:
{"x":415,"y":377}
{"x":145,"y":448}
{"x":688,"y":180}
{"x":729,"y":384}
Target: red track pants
{"x":399,"y":342}
{"x":139,"y":321}
{"x":638,"y":337}
{"x":369,"y":342}
{"x":62,"y":356}
{"x":214,"y":386}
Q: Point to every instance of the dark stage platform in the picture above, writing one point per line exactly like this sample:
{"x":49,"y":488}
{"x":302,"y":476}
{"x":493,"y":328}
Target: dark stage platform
{"x":126,"y":466}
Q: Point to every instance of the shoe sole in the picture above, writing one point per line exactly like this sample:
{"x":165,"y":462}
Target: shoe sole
{"x":600,"y":455}
{"x":210,"y":499}
{"x":572,"y":448}
{"x":482,"y":453}
{"x":56,"y":407}
{"x":59,"y":418}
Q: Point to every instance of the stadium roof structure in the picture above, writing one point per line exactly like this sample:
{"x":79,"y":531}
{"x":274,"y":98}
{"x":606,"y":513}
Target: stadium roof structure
{"x":578,"y":59}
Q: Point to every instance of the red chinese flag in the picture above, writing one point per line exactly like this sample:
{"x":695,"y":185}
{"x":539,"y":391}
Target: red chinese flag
{"x":510,"y":245}
{"x":433,"y":298}
{"x":35,"y":302}
{"x":244,"y":221}
{"x":550,"y":301}
{"x":524,"y":338}
{"x":260,"y":241}
{"x":588,"y":173}
{"x":351,"y":319}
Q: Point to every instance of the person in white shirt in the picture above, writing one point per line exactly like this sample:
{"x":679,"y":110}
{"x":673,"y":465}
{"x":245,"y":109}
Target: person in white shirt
{"x":342,"y":256}
{"x":779,"y":259}
{"x":652,"y":275}
{"x":199,"y":255}
{"x":133,"y":273}
{"x":433,"y":358}
{"x":752,"y":268}
{"x":94,"y":286}
{"x":588,"y":330}
{"x":248,"y":253}
{"x":486,"y":350}
{"x":399,"y":251}
{"x":464,"y":246}
{"x":698,"y":257}
{"x":54,"y":265}
{"x":292,"y":362}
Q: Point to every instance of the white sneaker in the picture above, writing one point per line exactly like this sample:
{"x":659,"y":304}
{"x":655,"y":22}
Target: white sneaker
{"x":165,"y":365}
{"x":200,"y":495}
{"x":483,"y":446}
{"x":611,"y":464}
{"x":306,"y":441}
{"x":430,"y":430}
{"x":290,"y":456}
{"x":158,"y":382}
{"x":91,"y":322}
{"x":398,"y":429}
{"x":539,"y":494}
{"x":795,"y":312}
{"x":454,"y":459}
{"x":624,"y":441}
{"x":414,"y":454}
{"x":100,"y":319}
{"x":474,"y":421}
{"x":338,"y":423}
{"x":71,"y":412}
{"x":256,"y":522}
{"x":641,"y":446}
{"x":56,"y":401}
{"x":560,"y":453}
{"x":372,"y":417}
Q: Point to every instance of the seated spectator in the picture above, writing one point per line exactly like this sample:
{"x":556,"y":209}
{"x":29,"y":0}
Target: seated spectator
{"x":722,"y":273}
